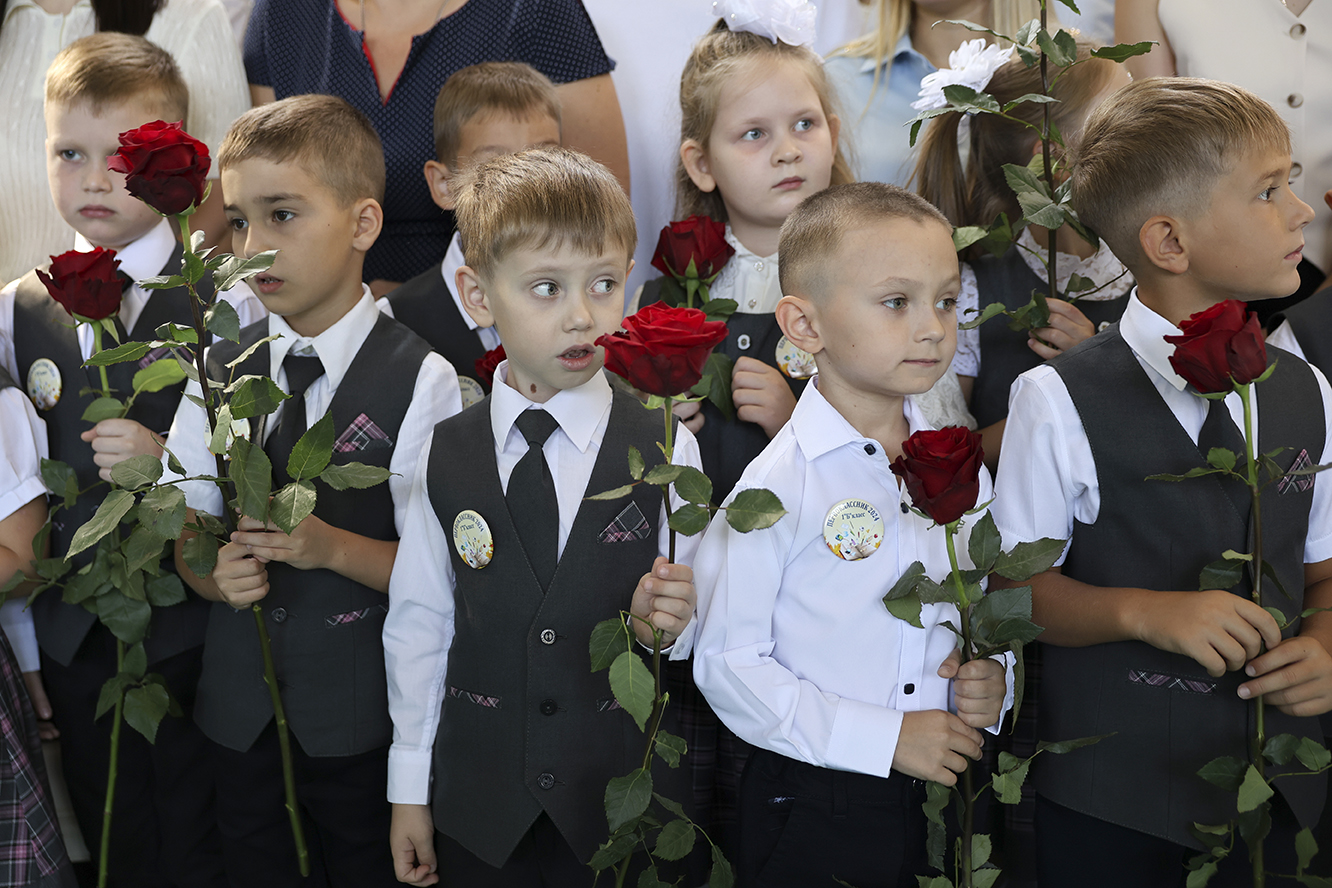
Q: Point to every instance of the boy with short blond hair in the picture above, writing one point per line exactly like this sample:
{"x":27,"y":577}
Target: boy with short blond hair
{"x":95,"y":89}
{"x":304,"y":176}
{"x":482,"y":111}
{"x":847,"y":706}
{"x":490,"y":690}
{"x":1187,"y":180}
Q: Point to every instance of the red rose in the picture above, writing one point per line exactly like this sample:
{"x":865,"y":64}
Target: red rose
{"x":662,"y":349}
{"x":85,"y":283}
{"x":698,"y":239}
{"x":486,"y":364}
{"x":942,"y":471}
{"x":164,"y":166}
{"x":1218,"y":346}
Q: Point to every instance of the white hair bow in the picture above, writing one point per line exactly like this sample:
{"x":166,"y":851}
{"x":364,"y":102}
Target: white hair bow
{"x":790,"y":21}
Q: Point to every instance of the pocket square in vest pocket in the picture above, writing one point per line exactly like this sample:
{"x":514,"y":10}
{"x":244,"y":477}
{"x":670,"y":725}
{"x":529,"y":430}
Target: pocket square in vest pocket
{"x":361,"y":435}
{"x":628,"y":525}
{"x":334,"y":620}
{"x":1297,"y":483}
{"x":473,"y":697}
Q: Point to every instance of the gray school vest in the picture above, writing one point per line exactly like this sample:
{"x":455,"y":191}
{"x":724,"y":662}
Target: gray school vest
{"x":1171,"y":716}
{"x":1004,"y":353}
{"x":425,"y":306}
{"x":1311,"y":321}
{"x":525,"y":725}
{"x":325,"y":629}
{"x":43,"y":329}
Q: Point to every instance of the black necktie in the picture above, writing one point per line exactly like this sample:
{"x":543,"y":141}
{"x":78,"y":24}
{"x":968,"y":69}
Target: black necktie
{"x":1219,"y":430}
{"x":291,"y":423}
{"x":531,"y":497}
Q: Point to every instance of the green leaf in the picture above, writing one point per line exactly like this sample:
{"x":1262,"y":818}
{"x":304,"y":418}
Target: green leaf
{"x":158,"y":375}
{"x":1281,"y":748}
{"x":906,"y":608}
{"x":1026,"y":560}
{"x":200,"y":554}
{"x":1004,"y":604}
{"x":1202,"y":875}
{"x":241,"y":358}
{"x":292,"y":504}
{"x":715,"y":384}
{"x":143,"y":547}
{"x":754,"y":509}
{"x":1221,"y":458}
{"x":610,"y":638}
{"x":985,"y":543}
{"x":145,"y":707}
{"x":719,"y":309}
{"x":693,"y":486}
{"x":627,"y":797}
{"x":721,"y":875}
{"x":130,"y":351}
{"x":675,"y":840}
{"x":984,"y":878}
{"x":126,"y":618}
{"x":104,"y":520}
{"x":112,"y":688}
{"x":670,"y":748}
{"x":1313,"y":755}
{"x":236,"y":269}
{"x":1255,"y":825}
{"x":635,"y":463}
{"x":1314,"y":881}
{"x":313,"y":451}
{"x":980,"y":850}
{"x":1040,"y":210}
{"x":137,"y":471}
{"x":1029,"y":99}
{"x":58,"y":478}
{"x":665,"y":473}
{"x":964,"y":98}
{"x":1253,"y":791}
{"x":1007,"y":784}
{"x":1014,"y":632}
{"x":162,"y":282}
{"x":1226,"y":772}
{"x":1306,"y":847}
{"x":166,"y":590}
{"x":689,"y":519}
{"x":136,"y":661}
{"x":613,"y":494}
{"x":354,"y":475}
{"x":631,"y":683}
{"x":648,"y":877}
{"x":674,"y":807}
{"x":967,"y":235}
{"x":103,"y":408}
{"x":252,"y":473}
{"x":906,"y":584}
{"x":1060,"y":747}
{"x":1061,"y":49}
{"x":162,"y":510}
{"x":1223,"y":574}
{"x":1023,"y":181}
{"x":613,"y":852}
{"x":254,"y":395}
{"x":1121,"y":51}
{"x":1197,"y":472}
{"x":192,"y":267}
{"x":221,"y":320}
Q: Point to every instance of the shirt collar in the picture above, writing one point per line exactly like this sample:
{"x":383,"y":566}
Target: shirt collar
{"x":577,"y":410}
{"x":335,"y":347}
{"x":819,"y":428}
{"x":1144,"y":330}
{"x":453,"y":260}
{"x":144,"y":257}
{"x":742,"y":253}
{"x":903,"y":48}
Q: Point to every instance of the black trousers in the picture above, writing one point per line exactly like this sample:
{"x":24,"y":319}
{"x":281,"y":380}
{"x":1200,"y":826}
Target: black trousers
{"x":163,"y":826}
{"x":344,"y":812}
{"x":807,"y":827}
{"x":1076,"y":850}
{"x":543,"y":859}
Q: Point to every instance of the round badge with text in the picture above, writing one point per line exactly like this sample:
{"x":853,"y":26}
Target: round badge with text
{"x":794,"y":361}
{"x":44,"y":384}
{"x":472,"y":539}
{"x":853,"y":529}
{"x":472,"y":392}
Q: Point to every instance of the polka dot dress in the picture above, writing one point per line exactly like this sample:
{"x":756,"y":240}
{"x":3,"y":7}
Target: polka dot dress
{"x":306,"y":46}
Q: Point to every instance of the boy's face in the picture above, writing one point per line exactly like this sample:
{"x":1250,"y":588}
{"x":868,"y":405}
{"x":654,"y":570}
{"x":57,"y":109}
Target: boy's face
{"x":549,"y":305}
{"x":886,"y":321}
{"x":89,"y":197}
{"x":489,"y":135}
{"x":316,"y":276}
{"x":1249,"y":242}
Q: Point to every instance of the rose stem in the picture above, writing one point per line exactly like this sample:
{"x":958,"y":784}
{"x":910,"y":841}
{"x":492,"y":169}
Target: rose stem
{"x":104,"y":852}
{"x":964,"y":608}
{"x":1260,"y":706}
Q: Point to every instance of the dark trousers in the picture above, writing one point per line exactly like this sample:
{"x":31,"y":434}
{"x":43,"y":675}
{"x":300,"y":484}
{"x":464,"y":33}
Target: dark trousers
{"x":807,"y":827}
{"x":344,"y":812}
{"x":1076,"y":850}
{"x":543,"y":859}
{"x":163,"y":826}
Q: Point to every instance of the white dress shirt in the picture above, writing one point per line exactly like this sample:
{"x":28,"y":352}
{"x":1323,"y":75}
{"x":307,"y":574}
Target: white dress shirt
{"x":448,"y":269}
{"x":435,"y":397}
{"x":795,"y":651}
{"x":22,"y":448}
{"x":1047,"y":476}
{"x":418,"y":631}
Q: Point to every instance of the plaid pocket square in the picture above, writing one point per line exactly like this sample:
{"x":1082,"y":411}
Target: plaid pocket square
{"x":629,"y":525}
{"x":362,"y":434}
{"x":1297,"y":483}
{"x":156,"y":354}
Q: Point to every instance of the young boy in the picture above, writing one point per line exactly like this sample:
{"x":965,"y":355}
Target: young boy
{"x":96,"y":88}
{"x":847,"y":705}
{"x":1187,"y":182}
{"x":489,"y":684}
{"x":304,"y":176}
{"x":482,"y":111}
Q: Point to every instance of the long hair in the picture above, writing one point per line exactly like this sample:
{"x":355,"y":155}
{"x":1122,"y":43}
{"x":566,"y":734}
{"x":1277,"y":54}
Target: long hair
{"x":125,"y":16}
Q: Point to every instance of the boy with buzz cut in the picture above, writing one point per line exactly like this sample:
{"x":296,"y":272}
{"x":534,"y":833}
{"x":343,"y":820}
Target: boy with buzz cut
{"x":163,"y":831}
{"x":304,"y":176}
{"x":1187,"y":181}
{"x":489,"y":686}
{"x":482,"y":111}
{"x":848,"y":707}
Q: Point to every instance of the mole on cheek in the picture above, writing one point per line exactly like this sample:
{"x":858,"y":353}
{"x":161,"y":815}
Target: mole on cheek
{"x":534,"y":388}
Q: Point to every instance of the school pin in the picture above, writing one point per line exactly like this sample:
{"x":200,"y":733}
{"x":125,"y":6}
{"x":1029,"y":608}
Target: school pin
{"x":472,"y":392}
{"x":793,"y":360}
{"x":44,"y":384}
{"x":472,"y":539}
{"x":853,"y":530}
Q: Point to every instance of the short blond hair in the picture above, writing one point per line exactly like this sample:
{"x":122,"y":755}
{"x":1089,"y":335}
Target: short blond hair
{"x":110,"y":68}
{"x":812,"y":235}
{"x":490,"y":88}
{"x":539,"y":197}
{"x":1158,"y":147}
{"x":330,"y":140}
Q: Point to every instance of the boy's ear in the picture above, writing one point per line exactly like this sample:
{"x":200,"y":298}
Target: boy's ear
{"x":798,"y":319}
{"x":369,"y":222}
{"x":1163,"y":242}
{"x":437,"y":176}
{"x":695,"y":161}
{"x":473,"y":296}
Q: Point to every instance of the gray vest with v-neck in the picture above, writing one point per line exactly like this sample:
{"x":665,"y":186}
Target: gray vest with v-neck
{"x":1169,"y":715}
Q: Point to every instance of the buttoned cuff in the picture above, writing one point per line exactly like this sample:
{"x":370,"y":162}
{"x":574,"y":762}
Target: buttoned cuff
{"x":409,"y":776}
{"x":864,"y":738}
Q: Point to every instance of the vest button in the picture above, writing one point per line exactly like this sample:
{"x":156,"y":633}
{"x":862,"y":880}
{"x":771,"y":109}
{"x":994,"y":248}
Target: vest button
{"x":548,"y":707}
{"x":546,"y":780}
{"x":547,"y":636}
{"x":279,"y":614}
{"x":742,"y":341}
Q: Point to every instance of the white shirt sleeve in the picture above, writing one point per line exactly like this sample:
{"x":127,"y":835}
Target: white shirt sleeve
{"x":436,"y":397}
{"x":22,"y":446}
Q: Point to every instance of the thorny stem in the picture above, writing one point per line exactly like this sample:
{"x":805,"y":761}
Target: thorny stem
{"x":105,"y":851}
{"x":1050,"y":264}
{"x":101,"y":368}
{"x":669,"y":410}
{"x":1259,"y":740}
{"x":968,"y":795}
{"x":284,"y":744}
